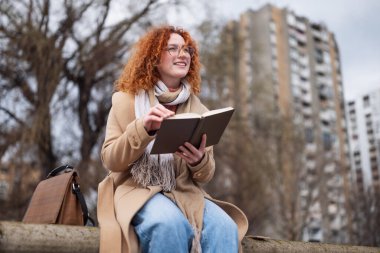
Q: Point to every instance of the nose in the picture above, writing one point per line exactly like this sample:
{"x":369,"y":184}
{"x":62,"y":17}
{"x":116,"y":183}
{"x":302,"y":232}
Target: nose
{"x":181,"y":52}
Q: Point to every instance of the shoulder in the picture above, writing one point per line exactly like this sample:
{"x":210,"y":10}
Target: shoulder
{"x":121,"y":97}
{"x":123,"y":105}
{"x":196,"y":104}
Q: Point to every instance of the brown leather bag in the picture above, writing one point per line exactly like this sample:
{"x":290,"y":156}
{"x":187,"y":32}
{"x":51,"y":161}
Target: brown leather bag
{"x":58,"y":200}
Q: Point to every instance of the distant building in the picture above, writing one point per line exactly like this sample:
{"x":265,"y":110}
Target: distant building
{"x":286,"y":64}
{"x":364,"y":136}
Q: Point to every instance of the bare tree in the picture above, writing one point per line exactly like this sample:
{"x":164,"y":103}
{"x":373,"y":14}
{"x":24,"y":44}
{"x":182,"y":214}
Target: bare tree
{"x":92,"y":68}
{"x":365,"y":206}
{"x":59,"y":60}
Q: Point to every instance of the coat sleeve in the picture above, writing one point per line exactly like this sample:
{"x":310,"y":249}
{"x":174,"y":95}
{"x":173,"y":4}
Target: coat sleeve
{"x":204,"y":171}
{"x":126,"y":137}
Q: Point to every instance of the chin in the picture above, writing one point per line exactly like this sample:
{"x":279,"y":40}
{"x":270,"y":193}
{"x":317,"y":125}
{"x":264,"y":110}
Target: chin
{"x":181,"y":75}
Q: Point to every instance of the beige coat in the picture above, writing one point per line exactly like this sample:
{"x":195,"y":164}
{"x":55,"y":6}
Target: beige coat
{"x":120,"y":197}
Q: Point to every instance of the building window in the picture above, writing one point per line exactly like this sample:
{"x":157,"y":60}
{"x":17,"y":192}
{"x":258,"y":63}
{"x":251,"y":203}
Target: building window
{"x":319,"y":55}
{"x":309,"y":135}
{"x":376,"y":177}
{"x":314,"y":231}
{"x":327,"y":141}
{"x":366,"y":101}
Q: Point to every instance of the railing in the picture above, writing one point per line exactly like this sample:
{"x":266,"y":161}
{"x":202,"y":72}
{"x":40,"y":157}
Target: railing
{"x":18,"y":237}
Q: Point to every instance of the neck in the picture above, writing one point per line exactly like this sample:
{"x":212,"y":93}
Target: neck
{"x":173,"y":89}
{"x":172,"y":84}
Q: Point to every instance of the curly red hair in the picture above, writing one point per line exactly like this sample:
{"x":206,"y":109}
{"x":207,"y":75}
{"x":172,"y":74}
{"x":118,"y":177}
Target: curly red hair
{"x":141,"y":72}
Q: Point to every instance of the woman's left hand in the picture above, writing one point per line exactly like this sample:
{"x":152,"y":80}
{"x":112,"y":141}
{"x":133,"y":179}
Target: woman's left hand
{"x":191,"y":154}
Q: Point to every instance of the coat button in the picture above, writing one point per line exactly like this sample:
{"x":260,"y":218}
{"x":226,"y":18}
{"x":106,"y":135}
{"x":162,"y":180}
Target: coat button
{"x":198,"y":174}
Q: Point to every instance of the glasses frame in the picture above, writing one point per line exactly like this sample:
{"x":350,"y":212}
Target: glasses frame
{"x":178,"y":50}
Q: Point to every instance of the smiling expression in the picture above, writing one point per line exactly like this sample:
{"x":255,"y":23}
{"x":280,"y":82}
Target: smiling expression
{"x":173,"y":68}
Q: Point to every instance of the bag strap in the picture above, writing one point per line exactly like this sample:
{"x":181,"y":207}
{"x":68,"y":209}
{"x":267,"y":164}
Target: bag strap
{"x":76,"y":191}
{"x":58,"y":170}
{"x":82,"y":201}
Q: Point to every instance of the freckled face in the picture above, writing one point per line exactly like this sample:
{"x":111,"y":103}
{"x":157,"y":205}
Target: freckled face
{"x":173,"y":68}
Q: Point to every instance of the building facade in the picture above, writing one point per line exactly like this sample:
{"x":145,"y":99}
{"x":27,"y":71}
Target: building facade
{"x":364,"y":137}
{"x":286,"y":64}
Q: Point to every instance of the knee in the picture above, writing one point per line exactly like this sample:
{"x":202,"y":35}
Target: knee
{"x":170,"y":221}
{"x":226,"y":228}
{"x":232,"y":227}
{"x":219,"y":222}
{"x":161,"y":215}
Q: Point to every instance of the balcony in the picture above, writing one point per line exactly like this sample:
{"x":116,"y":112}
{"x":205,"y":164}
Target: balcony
{"x":301,"y":26}
{"x":332,"y":209}
{"x":310,"y":164}
{"x":307,"y":99}
{"x":301,"y":37}
{"x":304,"y":60}
{"x":291,"y":19}
{"x":307,"y":111}
{"x":325,"y":116}
{"x":292,"y":42}
{"x":272,"y":26}
{"x":317,"y":34}
{"x":329,"y":168}
{"x":322,"y":68}
{"x":305,"y":73}
{"x":336,"y":224}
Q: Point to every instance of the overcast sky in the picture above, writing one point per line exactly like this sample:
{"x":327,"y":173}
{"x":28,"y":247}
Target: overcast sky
{"x":355,"y":23}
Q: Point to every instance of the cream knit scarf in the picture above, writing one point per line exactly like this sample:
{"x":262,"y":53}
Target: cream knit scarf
{"x":153,"y":170}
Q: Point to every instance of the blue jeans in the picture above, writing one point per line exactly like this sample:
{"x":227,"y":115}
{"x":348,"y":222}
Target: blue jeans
{"x":162,"y":228}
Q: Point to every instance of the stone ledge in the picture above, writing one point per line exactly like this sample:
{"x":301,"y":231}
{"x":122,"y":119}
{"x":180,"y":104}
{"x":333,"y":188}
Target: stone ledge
{"x":17,"y":237}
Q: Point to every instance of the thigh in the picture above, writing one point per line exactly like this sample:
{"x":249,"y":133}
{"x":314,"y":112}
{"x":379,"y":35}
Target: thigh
{"x":216,"y":218}
{"x":159,"y":210}
{"x":161,"y":227}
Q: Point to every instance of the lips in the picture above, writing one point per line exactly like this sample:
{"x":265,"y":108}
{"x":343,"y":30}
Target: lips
{"x":183,"y":64}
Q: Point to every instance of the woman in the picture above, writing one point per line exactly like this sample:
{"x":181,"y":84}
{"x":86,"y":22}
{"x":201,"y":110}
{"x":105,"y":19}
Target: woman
{"x":154,"y":203}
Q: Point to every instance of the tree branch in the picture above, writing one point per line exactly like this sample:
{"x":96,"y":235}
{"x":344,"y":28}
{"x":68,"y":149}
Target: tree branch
{"x":100,"y":27}
{"x":118,"y":30}
{"x":12,"y":115}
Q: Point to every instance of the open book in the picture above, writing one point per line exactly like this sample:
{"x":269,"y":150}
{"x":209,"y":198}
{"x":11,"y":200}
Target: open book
{"x":189,"y":127}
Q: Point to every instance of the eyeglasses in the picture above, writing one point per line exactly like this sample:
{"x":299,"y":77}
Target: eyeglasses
{"x":175,"y":50}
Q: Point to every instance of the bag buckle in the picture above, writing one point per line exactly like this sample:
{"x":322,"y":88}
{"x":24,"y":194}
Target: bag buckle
{"x":75,"y":187}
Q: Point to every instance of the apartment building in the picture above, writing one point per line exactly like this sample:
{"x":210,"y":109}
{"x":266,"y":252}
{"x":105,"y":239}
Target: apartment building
{"x":364,"y":137}
{"x":286,"y":64}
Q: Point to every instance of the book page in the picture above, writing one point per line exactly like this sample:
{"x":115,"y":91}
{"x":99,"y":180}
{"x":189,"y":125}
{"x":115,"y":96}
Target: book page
{"x":212,"y":112}
{"x":188,"y":115}
{"x":213,"y":125}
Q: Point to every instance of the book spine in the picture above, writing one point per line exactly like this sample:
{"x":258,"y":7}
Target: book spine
{"x":196,"y":137}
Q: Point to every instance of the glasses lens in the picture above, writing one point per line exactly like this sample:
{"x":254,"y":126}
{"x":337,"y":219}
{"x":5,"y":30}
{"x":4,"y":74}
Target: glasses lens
{"x":175,"y":51}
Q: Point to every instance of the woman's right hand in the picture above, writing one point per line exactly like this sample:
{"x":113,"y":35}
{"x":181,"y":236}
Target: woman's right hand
{"x":153,"y":119}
